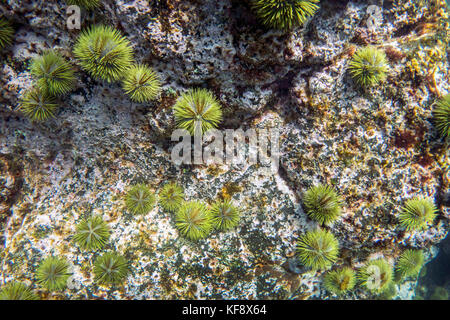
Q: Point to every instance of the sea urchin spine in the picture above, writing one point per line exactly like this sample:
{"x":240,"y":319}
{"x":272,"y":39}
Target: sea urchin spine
{"x":317,"y":249}
{"x":193,"y":220}
{"x":225,"y":215}
{"x":140,"y":199}
{"x":322,"y":204}
{"x":284,"y":14}
{"x":171,"y":196}
{"x":141,"y":83}
{"x":368,"y":66}
{"x":197,"y":111}
{"x":92,"y":233}
{"x":104,"y":53}
{"x":340,"y":281}
{"x":417,"y":213}
{"x":110,"y":268}
{"x":53,"y":273}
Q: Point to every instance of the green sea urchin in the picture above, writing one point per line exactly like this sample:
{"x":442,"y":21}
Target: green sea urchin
{"x":389,"y":293}
{"x":317,"y":249}
{"x":92,"y":233}
{"x":54,"y":74}
{"x":88,"y":4}
{"x":417,"y":214}
{"x":38,"y":105}
{"x":376,"y":275}
{"x":141,"y":83}
{"x":197,"y":111}
{"x":110,"y":268}
{"x":17,"y":291}
{"x":6,"y":33}
{"x":53,"y":273}
{"x":441,"y":114}
{"x":409,"y":263}
{"x":284,"y":14}
{"x":193,"y":220}
{"x":140,"y":199}
{"x":368,"y":66}
{"x":225,"y":215}
{"x":340,"y":281}
{"x":171,"y":196}
{"x":104,"y":53}
{"x":322,"y":204}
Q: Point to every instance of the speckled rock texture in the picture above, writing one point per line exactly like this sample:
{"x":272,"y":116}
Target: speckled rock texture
{"x":377,"y":147}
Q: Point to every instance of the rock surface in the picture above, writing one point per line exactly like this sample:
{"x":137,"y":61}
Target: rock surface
{"x":377,"y":147}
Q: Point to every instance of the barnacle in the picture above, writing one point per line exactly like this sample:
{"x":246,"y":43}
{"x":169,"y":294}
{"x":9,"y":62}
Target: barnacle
{"x":322,"y":204}
{"x":317,"y":249}
{"x":92,"y":233}
{"x":193,"y":220}
{"x":284,"y":14}
{"x":110,"y":268}
{"x":6,"y":32}
{"x":88,"y":4}
{"x":104,"y":53}
{"x":340,"y":281}
{"x":197,"y":111}
{"x":17,"y":291}
{"x":140,"y":199}
{"x":225,"y":215}
{"x":368,"y":66}
{"x":38,"y":105}
{"x":54,"y":74}
{"x":376,"y":275}
{"x":141,"y":83}
{"x":171,"y":196}
{"x":441,"y":115}
{"x":417,"y":213}
{"x":409,"y":263}
{"x":53,"y":273}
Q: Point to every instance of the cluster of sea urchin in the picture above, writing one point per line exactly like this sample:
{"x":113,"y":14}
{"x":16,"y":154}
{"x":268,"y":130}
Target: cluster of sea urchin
{"x":55,"y":76}
{"x":194,"y":219}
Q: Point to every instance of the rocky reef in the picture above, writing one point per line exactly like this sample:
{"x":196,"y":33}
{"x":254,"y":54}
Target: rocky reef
{"x":377,"y":147}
